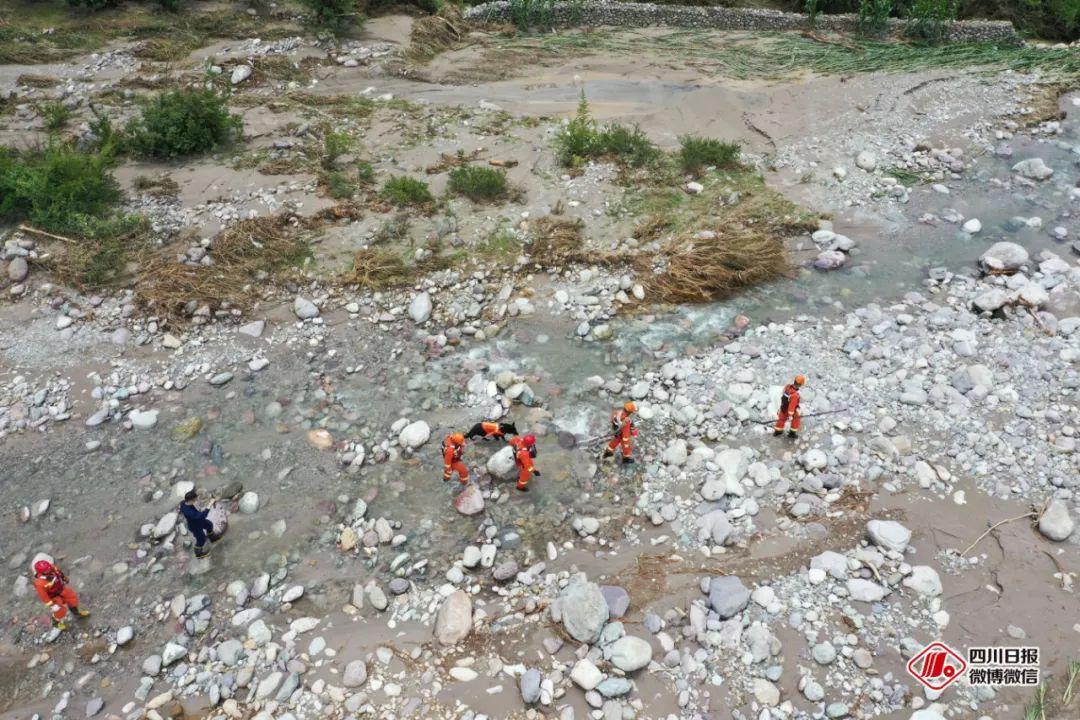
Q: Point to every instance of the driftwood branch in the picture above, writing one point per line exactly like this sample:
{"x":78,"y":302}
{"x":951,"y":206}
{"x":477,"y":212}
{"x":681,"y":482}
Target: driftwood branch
{"x":51,"y":236}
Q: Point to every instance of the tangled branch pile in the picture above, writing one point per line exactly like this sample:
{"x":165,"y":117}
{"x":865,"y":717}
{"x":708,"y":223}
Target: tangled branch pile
{"x":706,"y":269}
{"x":557,"y":241}
{"x":244,"y":255}
{"x":435,"y":33}
{"x":376,"y":269}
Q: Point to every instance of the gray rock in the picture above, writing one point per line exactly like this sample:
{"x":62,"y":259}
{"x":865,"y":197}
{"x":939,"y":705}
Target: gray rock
{"x":1056,"y":523}
{"x":355,"y":674}
{"x":716,"y":526}
{"x":221,"y":378}
{"x":529,"y":684}
{"x":614,"y":687}
{"x":728,"y":596}
{"x":1007,"y":256}
{"x":399,"y":586}
{"x":824,"y":653}
{"x":501,"y":465}
{"x":230,"y":652}
{"x":377,"y":598}
{"x":249,"y":502}
{"x":586,"y":675}
{"x":454,"y":621}
{"x":505,"y":571}
{"x":172,"y":653}
{"x":888,"y":534}
{"x":865,"y":590}
{"x":304,"y":308}
{"x":420,"y":308}
{"x":584,"y":610}
{"x":630,"y":653}
{"x":470,"y":501}
{"x":414,"y":435}
{"x":152,"y":665}
{"x":124,"y":635}
{"x":924,"y":580}
{"x":143,"y":419}
{"x":252,"y":329}
{"x":1033,"y":168}
{"x":94,"y":706}
{"x":18,"y":269}
{"x":832,"y":563}
{"x":239,"y":74}
{"x":830,"y":260}
{"x":618,"y":600}
{"x":991,"y":300}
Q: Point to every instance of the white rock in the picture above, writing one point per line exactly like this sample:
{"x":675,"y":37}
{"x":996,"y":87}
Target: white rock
{"x":972,"y":226}
{"x":694,"y":188}
{"x":865,"y":590}
{"x":924,"y":580}
{"x":143,"y":419}
{"x":586,"y":675}
{"x":240,"y":74}
{"x":1033,"y":168}
{"x":889,"y":534}
{"x":420,"y":308}
{"x":866,"y":161}
{"x":454,"y":621}
{"x":630,"y":653}
{"x":414,"y":435}
{"x":1056,"y":523}
{"x":249,"y":502}
{"x":252,"y":329}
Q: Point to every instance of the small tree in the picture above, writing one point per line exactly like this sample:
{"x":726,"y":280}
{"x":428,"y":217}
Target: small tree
{"x":181,"y":123}
{"x":332,"y":15}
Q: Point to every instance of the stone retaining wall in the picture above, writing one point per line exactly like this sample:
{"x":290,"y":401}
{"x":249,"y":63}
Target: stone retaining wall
{"x":622,"y":14}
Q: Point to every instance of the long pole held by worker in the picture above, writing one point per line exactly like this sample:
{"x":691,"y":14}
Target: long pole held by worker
{"x":811,"y":415}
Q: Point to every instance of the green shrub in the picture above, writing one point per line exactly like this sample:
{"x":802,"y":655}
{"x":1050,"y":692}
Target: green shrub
{"x":338,"y":185}
{"x":478,"y":183}
{"x":696,"y":153}
{"x":582,"y":139}
{"x":403,"y":190}
{"x":57,"y":189}
{"x":335,"y":144}
{"x":182,"y":123}
{"x":333,"y":15}
{"x":812,"y":9}
{"x":930,"y":20}
{"x":55,"y":114}
{"x":874,"y":16}
{"x":365,"y":173}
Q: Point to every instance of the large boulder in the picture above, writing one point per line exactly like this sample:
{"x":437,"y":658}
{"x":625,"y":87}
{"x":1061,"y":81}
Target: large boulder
{"x":728,"y":596}
{"x":501,"y":465}
{"x":454,"y":621}
{"x":414,"y":435}
{"x":888,"y":534}
{"x":470,"y":501}
{"x":584,"y":609}
{"x":1033,"y":169}
{"x":715,"y":527}
{"x":1004,"y":257}
{"x":1056,"y":523}
{"x":865,"y":590}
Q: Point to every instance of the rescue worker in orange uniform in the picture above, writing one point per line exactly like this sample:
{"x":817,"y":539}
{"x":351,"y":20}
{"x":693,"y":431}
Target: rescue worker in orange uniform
{"x":524,"y":452}
{"x":622,"y":428}
{"x":58,"y":596}
{"x":789,"y":408}
{"x":453,"y":447}
{"x":491,"y":430}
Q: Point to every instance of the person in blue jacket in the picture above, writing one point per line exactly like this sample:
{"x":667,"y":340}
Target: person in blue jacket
{"x":201,"y":528}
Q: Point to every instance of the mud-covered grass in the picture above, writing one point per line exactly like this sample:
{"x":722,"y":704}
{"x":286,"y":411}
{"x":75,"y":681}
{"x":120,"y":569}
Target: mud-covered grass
{"x":50,"y":31}
{"x":246,"y":255}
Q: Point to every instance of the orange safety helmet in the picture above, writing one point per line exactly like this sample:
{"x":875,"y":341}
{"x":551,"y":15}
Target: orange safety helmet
{"x":457,"y":438}
{"x":630,"y":407}
{"x":800,"y":379}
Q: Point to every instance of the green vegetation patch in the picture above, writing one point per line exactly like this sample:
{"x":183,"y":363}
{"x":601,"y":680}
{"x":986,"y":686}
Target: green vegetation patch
{"x":478,"y":183}
{"x":182,"y":123}
{"x":404,"y":191}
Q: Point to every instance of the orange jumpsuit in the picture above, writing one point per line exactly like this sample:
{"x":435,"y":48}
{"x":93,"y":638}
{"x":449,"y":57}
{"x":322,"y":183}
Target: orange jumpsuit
{"x":789,"y":408}
{"x":623,"y":427}
{"x":524,"y":461}
{"x":54,"y":591}
{"x":452,"y":462}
